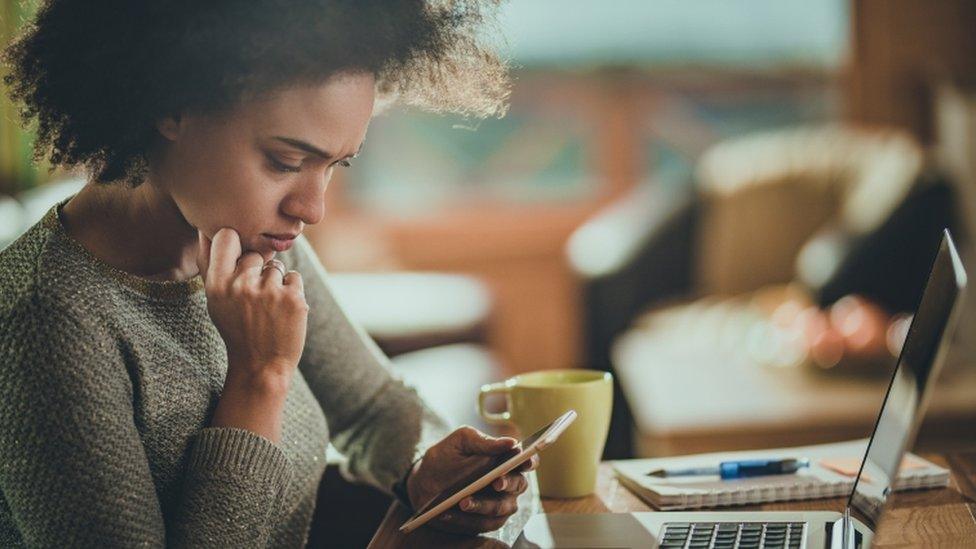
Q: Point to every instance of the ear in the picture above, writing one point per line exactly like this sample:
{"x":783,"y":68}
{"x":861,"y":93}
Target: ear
{"x":170,"y":127}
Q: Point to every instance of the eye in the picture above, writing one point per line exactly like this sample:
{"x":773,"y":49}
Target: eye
{"x":343,"y":163}
{"x":282,"y":167}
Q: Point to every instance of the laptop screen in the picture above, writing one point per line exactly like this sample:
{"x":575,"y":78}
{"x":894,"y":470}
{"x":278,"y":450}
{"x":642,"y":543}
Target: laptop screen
{"x":921,"y":358}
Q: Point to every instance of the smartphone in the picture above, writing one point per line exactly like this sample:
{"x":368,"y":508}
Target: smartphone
{"x":484,"y":476}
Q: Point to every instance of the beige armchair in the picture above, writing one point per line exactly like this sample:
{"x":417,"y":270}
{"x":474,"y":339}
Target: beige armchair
{"x":764,"y":196}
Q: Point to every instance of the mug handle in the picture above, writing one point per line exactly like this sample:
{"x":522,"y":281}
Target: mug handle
{"x":489,"y":389}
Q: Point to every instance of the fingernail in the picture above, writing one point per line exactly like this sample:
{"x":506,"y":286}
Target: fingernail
{"x":500,"y":484}
{"x":467,"y":504}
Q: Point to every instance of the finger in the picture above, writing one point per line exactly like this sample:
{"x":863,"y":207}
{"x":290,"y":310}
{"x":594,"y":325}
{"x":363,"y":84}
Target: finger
{"x":471,"y":441}
{"x":531,"y":465}
{"x":271,"y":274}
{"x":203,"y":253}
{"x":224,"y":252}
{"x":250,"y":264}
{"x":511,"y":483}
{"x":496,"y":505}
{"x":460,"y":522}
{"x":293,"y":279}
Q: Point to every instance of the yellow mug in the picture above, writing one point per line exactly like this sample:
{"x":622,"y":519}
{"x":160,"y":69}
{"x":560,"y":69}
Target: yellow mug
{"x":568,"y":468}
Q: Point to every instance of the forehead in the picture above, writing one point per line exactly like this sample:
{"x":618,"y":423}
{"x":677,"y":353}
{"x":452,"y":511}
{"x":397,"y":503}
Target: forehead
{"x":333,"y":114}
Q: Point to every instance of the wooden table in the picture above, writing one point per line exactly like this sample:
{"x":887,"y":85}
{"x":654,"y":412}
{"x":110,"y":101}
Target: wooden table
{"x":925,"y":518}
{"x":705,"y":394}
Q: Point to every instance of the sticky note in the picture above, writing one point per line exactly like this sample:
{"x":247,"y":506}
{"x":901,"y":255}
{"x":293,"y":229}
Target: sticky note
{"x":849,"y":466}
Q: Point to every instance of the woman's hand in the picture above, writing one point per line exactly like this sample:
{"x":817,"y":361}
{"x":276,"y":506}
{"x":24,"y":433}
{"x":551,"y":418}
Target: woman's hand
{"x":261,"y":316}
{"x":456,"y":456}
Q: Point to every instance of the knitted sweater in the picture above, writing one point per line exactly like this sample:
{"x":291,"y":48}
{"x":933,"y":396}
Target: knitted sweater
{"x":108,"y":382}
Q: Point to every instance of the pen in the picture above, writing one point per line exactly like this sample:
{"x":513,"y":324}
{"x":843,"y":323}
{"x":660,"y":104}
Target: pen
{"x":739,"y":469}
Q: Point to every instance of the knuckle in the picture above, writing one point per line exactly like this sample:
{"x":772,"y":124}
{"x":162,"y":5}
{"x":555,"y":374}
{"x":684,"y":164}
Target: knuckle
{"x":295,"y":302}
{"x":248,"y":261}
{"x":248,"y":291}
{"x":218,"y":291}
{"x":499,"y":508}
{"x":508,"y":507}
{"x":490,"y":508}
{"x":294,"y":280}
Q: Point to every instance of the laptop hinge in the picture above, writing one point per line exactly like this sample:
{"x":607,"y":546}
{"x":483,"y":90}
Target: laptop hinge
{"x":841,"y":533}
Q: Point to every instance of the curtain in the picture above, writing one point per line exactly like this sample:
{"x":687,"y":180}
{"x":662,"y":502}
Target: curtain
{"x":18,"y":171}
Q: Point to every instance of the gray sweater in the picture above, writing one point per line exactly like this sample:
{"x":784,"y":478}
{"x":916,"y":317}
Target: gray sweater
{"x":107,"y":385}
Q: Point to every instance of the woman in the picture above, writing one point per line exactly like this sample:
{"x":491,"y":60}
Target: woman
{"x":173,"y":362}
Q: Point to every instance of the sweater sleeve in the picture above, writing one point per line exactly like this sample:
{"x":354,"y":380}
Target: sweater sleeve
{"x":379,"y":423}
{"x":73,"y":470}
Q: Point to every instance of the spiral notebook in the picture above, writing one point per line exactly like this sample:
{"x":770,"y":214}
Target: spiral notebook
{"x":832,"y":470}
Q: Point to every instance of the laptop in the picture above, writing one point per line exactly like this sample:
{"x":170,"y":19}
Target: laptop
{"x":894,"y":432}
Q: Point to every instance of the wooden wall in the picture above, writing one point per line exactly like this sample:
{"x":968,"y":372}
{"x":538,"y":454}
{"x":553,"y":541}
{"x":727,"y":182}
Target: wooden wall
{"x":899,"y":48}
{"x":518,"y":253}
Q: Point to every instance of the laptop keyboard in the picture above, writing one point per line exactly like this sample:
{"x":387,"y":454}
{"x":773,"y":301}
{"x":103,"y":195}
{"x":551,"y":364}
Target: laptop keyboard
{"x":729,"y":535}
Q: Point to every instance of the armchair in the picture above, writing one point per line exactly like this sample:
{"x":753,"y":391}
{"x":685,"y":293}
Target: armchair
{"x":813,"y":205}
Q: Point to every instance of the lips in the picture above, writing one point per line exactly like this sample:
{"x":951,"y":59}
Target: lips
{"x":280,"y":242}
{"x":282,"y":236}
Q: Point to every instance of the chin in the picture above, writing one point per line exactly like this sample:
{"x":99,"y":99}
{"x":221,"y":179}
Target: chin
{"x":259,"y":246}
{"x":266,"y":251}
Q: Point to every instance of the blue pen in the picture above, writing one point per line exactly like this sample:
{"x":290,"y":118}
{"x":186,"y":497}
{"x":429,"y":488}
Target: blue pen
{"x":739,"y":469}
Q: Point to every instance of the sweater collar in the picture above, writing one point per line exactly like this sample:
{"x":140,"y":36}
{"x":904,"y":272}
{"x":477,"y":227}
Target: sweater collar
{"x":160,"y":289}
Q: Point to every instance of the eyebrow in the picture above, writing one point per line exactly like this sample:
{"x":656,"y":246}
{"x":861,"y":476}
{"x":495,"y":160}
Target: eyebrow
{"x":312,"y":149}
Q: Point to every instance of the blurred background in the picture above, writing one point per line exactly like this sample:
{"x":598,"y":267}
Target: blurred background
{"x":732,"y":205}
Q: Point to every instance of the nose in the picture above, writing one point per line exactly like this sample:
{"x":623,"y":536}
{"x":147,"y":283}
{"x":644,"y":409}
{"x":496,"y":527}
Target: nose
{"x":307,"y":200}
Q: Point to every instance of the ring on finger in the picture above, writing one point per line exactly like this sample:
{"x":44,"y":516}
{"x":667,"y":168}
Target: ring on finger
{"x":276,"y":264}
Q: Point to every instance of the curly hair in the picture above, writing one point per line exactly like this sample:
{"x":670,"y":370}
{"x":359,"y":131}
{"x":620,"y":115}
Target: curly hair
{"x":96,"y":75}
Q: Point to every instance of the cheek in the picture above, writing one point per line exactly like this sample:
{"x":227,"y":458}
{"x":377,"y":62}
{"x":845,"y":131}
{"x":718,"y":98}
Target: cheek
{"x":250,"y":214}
{"x":229,"y":195}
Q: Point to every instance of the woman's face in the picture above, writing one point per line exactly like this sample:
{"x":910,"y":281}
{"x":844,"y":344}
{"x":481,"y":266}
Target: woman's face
{"x":262,"y":168}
